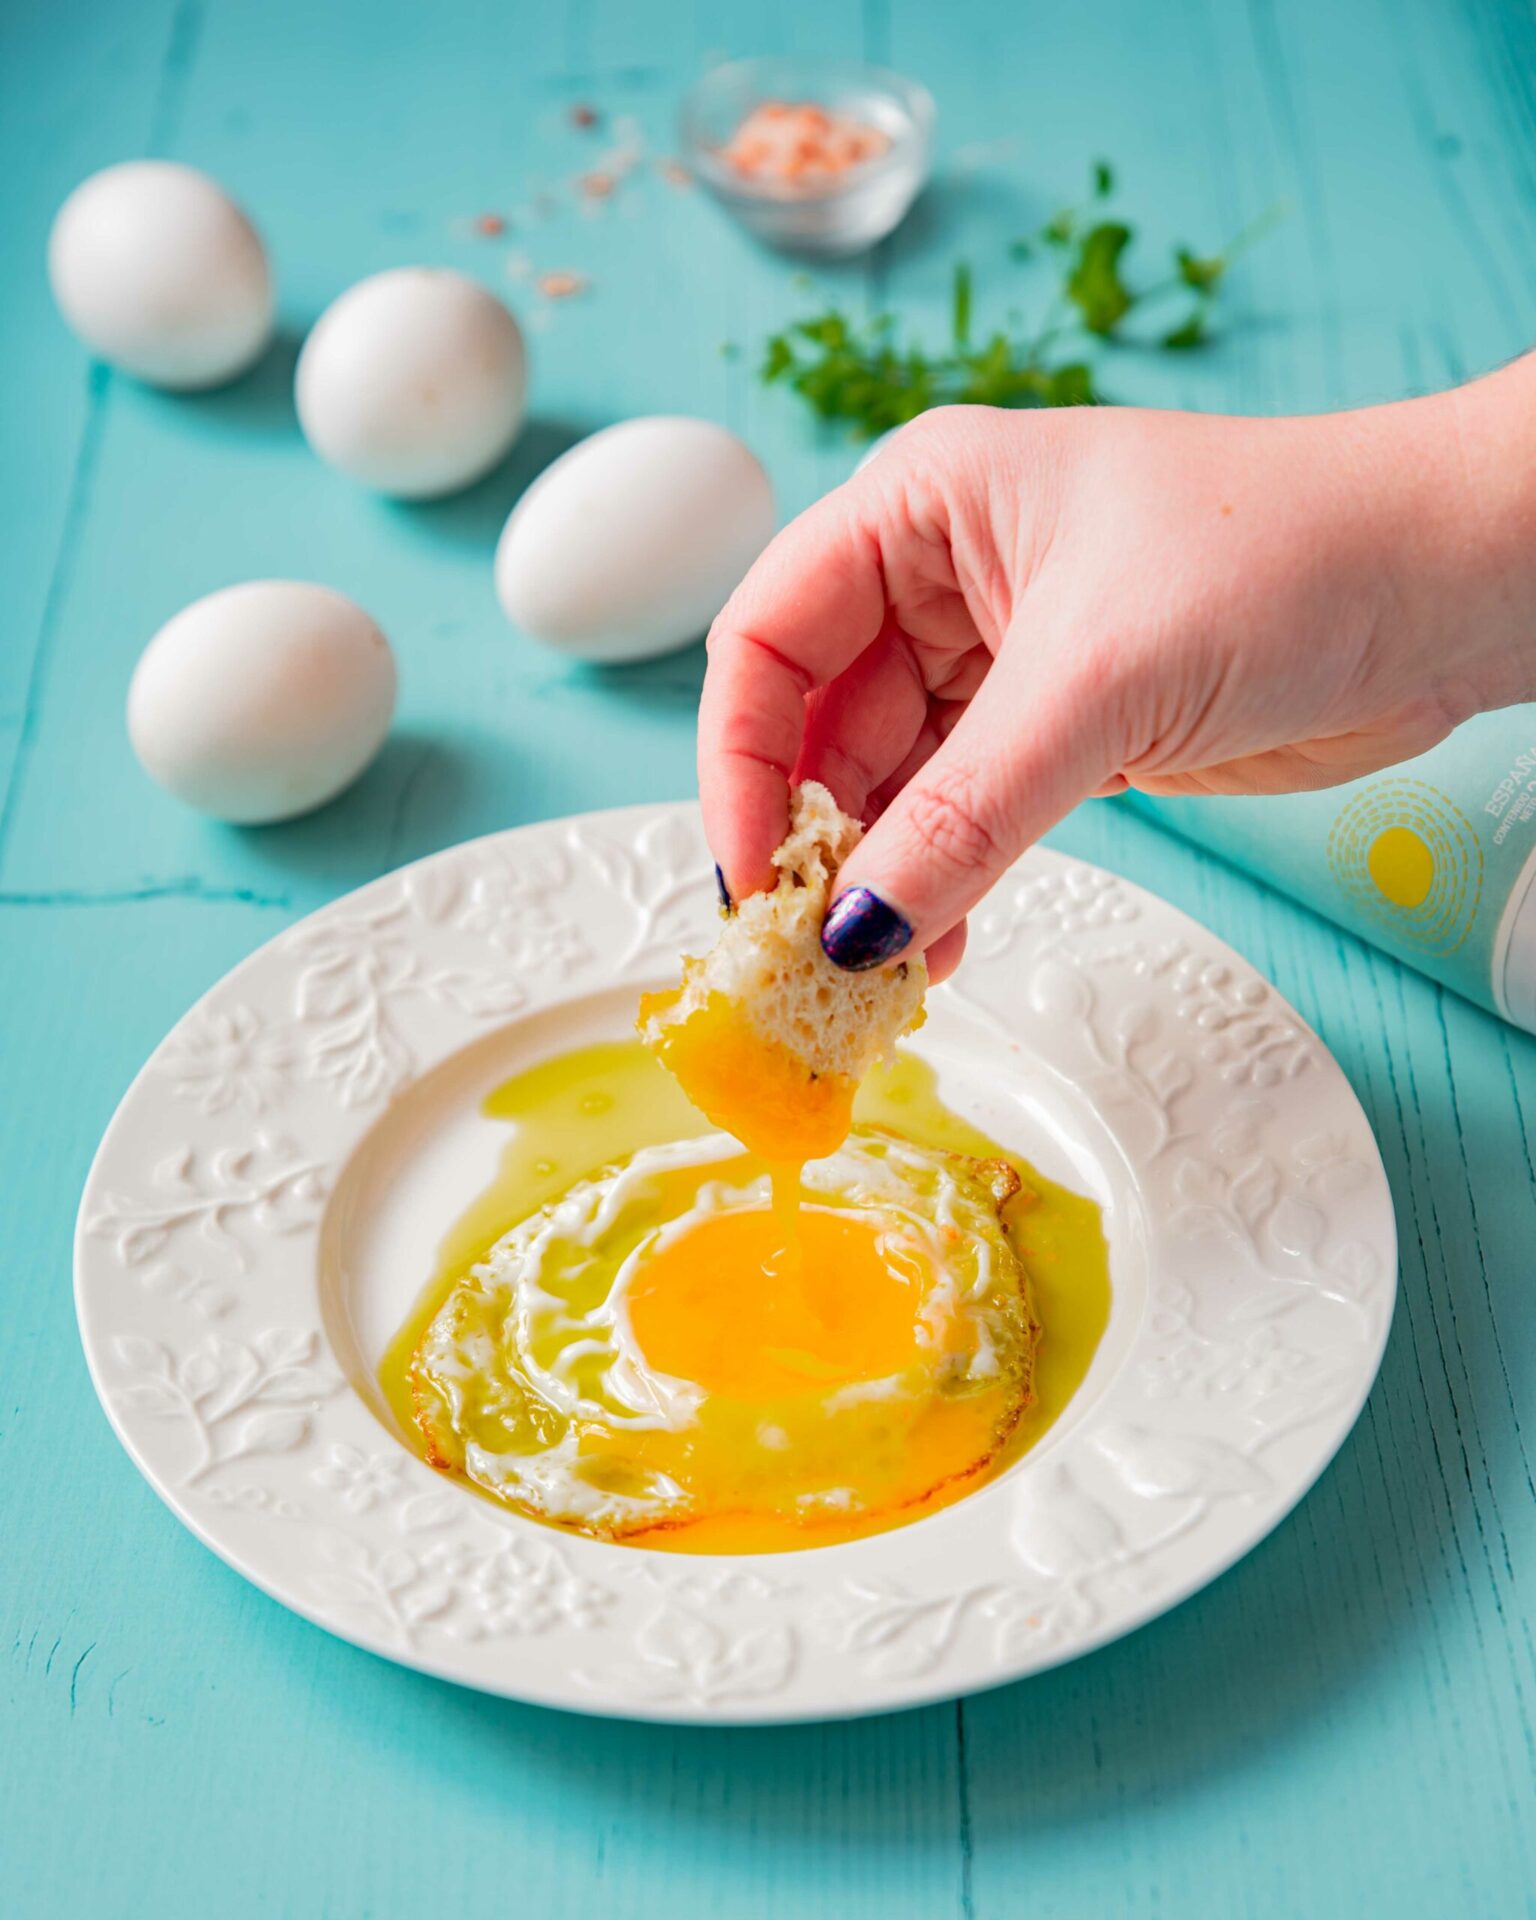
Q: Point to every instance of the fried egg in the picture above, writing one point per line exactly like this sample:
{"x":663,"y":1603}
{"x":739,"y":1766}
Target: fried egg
{"x":646,"y":1351}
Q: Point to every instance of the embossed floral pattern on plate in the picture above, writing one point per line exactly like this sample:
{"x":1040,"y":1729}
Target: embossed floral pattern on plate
{"x":1270,"y":1278}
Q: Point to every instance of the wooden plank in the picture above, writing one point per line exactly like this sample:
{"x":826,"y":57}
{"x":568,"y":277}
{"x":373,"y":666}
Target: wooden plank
{"x":78,"y":88}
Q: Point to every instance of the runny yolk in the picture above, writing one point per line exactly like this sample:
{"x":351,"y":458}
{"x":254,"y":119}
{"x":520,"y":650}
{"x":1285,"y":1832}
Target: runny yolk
{"x":761,"y":1092}
{"x":836,"y":1314}
{"x":569,"y":1115}
{"x":754,"y":1088}
{"x":784,"y":1188}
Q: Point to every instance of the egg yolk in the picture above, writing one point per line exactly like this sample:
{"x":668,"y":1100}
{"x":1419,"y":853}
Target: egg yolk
{"x":754,"y":1088}
{"x":831,"y":1401}
{"x":831,"y":1312}
{"x":820,"y":1376}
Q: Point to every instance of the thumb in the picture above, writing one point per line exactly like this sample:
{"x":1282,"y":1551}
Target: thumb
{"x":1031,"y":744}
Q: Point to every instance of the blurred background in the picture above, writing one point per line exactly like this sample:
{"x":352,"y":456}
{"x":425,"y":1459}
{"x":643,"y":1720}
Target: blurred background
{"x":362,"y":137}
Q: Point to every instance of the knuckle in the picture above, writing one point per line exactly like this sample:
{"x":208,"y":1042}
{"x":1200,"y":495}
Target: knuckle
{"x":952,"y":823}
{"x":758,"y":737}
{"x":953,"y":431}
{"x":847,"y":776}
{"x":925,"y":426}
{"x":725,"y":630}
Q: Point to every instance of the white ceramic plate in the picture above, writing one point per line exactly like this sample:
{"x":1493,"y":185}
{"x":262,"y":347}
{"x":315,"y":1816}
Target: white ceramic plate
{"x":270,"y":1195}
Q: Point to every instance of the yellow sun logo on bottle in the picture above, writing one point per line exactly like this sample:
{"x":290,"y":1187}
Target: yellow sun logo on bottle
{"x":1409,"y":860}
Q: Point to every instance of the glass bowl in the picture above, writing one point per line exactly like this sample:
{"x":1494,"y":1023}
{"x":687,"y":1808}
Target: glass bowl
{"x":842,"y":215}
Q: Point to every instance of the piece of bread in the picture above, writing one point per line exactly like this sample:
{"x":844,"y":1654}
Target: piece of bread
{"x":765,"y":1033}
{"x":768,"y":959}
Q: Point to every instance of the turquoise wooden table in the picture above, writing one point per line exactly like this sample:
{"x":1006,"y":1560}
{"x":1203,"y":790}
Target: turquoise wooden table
{"x":1343,"y":1724}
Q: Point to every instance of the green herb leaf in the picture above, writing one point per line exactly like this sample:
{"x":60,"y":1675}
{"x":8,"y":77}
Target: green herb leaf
{"x":1193,"y":333}
{"x":1200,"y":273}
{"x":831,"y":330}
{"x":1072,"y":386}
{"x":862,"y":375}
{"x":962,"y":321}
{"x":1094,"y":285}
{"x":778,"y":358}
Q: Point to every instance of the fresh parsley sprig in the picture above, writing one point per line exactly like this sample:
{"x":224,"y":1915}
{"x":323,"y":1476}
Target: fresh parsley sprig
{"x":860,"y":375}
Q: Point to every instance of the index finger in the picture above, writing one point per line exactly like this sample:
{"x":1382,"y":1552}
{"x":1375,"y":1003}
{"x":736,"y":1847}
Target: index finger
{"x":811,"y":604}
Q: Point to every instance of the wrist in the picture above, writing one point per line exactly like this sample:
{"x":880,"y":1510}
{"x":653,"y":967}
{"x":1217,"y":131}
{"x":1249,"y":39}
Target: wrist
{"x":1467,"y":533}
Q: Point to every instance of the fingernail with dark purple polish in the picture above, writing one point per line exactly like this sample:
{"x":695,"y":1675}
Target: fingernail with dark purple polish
{"x":861,"y":931}
{"x":727,"y":904}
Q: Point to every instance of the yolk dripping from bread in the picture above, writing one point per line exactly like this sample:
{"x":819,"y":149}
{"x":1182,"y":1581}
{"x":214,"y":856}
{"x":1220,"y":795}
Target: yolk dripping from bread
{"x":758,"y":1090}
{"x":571,"y":1115}
{"x":755,"y":1088}
{"x":763,"y":1034}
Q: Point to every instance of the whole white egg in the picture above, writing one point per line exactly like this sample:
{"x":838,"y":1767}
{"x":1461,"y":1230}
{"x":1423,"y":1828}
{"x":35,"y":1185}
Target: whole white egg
{"x":413,"y":381}
{"x":156,"y":269}
{"x":263,"y":700}
{"x":630,"y":544}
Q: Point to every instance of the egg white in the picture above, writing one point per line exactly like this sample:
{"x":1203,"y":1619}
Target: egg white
{"x":551,"y":1321}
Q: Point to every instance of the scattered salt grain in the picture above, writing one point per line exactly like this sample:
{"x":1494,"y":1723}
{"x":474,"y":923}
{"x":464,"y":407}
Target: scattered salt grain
{"x":562,"y":285}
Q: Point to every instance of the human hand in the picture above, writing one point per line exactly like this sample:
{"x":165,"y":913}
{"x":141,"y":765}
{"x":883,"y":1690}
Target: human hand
{"x":1005,"y":613}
